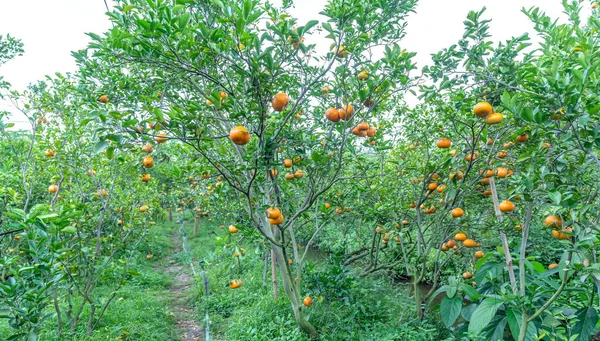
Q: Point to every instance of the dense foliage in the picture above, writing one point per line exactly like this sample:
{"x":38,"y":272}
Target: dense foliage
{"x":483,"y":197}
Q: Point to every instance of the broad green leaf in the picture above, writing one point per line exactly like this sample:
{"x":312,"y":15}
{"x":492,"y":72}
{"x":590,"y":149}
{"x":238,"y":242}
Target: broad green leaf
{"x":450,"y":309}
{"x":515,"y":322}
{"x":586,"y":324}
{"x":484,"y":314}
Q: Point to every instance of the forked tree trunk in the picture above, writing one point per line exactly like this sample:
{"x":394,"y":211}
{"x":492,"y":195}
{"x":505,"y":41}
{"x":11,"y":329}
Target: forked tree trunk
{"x":292,"y":294}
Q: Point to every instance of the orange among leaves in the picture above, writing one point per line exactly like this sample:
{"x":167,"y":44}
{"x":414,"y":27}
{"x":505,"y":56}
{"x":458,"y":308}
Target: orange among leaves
{"x":236,"y":283}
{"x":280,"y":101}
{"x":443,"y":143}
{"x":239,"y":135}
{"x":457,"y":212}
{"x":332,"y":114}
{"x":506,"y":206}
{"x":483,"y":109}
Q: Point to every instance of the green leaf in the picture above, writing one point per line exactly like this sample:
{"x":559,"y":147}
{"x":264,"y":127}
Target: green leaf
{"x":100,"y":147}
{"x":308,"y":26}
{"x":484,"y":314}
{"x":110,"y":152}
{"x":586,"y":324}
{"x":515,"y":319}
{"x":450,"y":309}
{"x":555,"y":196}
{"x":69,"y":229}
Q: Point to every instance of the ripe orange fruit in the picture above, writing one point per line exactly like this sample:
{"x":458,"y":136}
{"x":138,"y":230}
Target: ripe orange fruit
{"x":444,"y":247}
{"x":280,"y":101}
{"x":273,"y":213}
{"x":371,"y":132}
{"x":307,"y":301}
{"x":233,"y":229}
{"x":52,"y":188}
{"x":299,"y":174}
{"x":469,"y":243}
{"x":161,"y":138}
{"x":494,"y":118}
{"x":506,"y":206}
{"x":287,"y":163}
{"x":451,"y":243}
{"x":440,"y":188}
{"x":332,"y":114}
{"x":239,"y":135}
{"x":145,"y":177}
{"x":467,"y":275}
{"x":489,"y":173}
{"x":490,"y":141}
{"x":443,"y":143}
{"x":148,"y":148}
{"x":327,"y":206}
{"x":560,"y":235}
{"x":289,"y":176}
{"x":522,"y":138}
{"x":277,"y":221}
{"x":148,"y":162}
{"x":502,"y":172}
{"x":458,"y":175}
{"x":471,"y":157}
{"x":404,"y":222}
{"x":479,"y":254}
{"x":363,"y":126}
{"x":552,"y":266}
{"x":432,"y":186}
{"x":236,"y":283}
{"x":144,"y":208}
{"x":460,"y":237}
{"x":485,"y":181}
{"x":595,"y":5}
{"x":457,"y":212}
{"x":346,"y":112}
{"x":502,"y":154}
{"x":148,"y":256}
{"x":483,"y":109}
{"x":363,"y":75}
{"x":103,"y":99}
{"x":297,"y":159}
{"x":553,"y":221}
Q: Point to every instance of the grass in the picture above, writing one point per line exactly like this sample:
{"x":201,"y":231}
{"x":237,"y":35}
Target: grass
{"x":346,"y":307}
{"x":140,"y":310}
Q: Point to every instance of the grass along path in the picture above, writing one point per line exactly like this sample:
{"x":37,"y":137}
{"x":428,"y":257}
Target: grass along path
{"x":180,"y":293}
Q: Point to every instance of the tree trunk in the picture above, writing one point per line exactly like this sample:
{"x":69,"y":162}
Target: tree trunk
{"x":195,"y":225}
{"x":170,"y":214}
{"x":290,"y":291}
{"x":266,"y":269}
{"x":274,"y":275}
{"x":417,"y":295}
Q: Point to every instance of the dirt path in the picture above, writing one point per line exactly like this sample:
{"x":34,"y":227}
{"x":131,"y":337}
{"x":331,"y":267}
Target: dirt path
{"x":189,"y":328}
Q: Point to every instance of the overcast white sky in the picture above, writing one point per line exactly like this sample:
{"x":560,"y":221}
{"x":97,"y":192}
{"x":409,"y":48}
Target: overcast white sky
{"x":50,"y":30}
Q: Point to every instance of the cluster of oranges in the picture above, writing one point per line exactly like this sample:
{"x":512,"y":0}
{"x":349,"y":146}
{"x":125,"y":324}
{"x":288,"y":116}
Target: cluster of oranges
{"x":274,"y":216}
